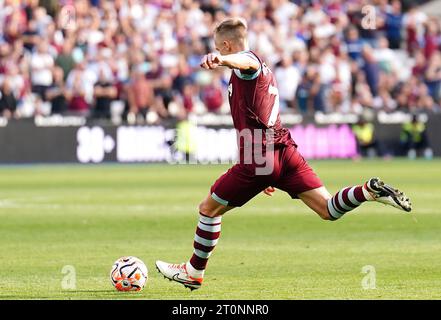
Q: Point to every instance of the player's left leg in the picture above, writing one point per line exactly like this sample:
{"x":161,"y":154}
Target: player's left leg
{"x":347,"y":199}
{"x":317,"y":199}
{"x":300,"y":181}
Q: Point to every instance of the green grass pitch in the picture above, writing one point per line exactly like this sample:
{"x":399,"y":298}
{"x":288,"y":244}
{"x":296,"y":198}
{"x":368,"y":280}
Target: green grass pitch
{"x":272,"y":248}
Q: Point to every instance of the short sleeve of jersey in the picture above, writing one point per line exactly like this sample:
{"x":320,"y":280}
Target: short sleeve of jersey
{"x":248,"y":76}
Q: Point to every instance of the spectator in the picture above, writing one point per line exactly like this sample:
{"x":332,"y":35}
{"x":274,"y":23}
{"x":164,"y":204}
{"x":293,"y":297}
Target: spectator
{"x":287,"y":89}
{"x":367,"y":143}
{"x":77,"y":96}
{"x":354,"y":44}
{"x":385,"y":56}
{"x":384,"y":101}
{"x":185,"y":103}
{"x":164,"y":95}
{"x":285,"y":11}
{"x":17,"y":81}
{"x":42,"y":64}
{"x":363,"y":92}
{"x":84,"y":76}
{"x":432,"y":76}
{"x":371,"y":69}
{"x":212,"y":95}
{"x":14,"y":24}
{"x":140,"y":97}
{"x":314,"y":15}
{"x":303,"y":92}
{"x":431,"y":38}
{"x":51,"y":6}
{"x":183,"y":75}
{"x":166,"y":39}
{"x":420,"y":64}
{"x":30,"y":36}
{"x":65,"y":59}
{"x":56,"y":93}
{"x":393,"y":25}
{"x":414,"y":139}
{"x":310,"y":94}
{"x":8,"y":102}
{"x":413,"y":22}
{"x":104,"y":92}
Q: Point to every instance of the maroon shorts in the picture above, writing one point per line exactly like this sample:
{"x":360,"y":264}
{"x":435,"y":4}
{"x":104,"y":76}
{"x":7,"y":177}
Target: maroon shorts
{"x":290,"y":172}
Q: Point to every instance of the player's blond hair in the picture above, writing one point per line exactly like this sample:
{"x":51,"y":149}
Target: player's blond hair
{"x":234,"y":29}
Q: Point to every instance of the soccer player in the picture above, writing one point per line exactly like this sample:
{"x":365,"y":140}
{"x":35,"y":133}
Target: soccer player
{"x":253,"y":99}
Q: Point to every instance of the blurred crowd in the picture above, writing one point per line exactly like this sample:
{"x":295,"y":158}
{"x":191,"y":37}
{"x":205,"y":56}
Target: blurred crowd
{"x":139,"y":59}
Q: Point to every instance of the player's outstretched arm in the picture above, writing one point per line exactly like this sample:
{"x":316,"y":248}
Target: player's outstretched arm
{"x":233,"y":61}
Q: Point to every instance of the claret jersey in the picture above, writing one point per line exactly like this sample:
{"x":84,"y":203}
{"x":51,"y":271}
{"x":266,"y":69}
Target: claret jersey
{"x":254,"y":104}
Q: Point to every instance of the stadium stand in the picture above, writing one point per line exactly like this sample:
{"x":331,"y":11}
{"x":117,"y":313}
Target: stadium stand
{"x":138,"y":61}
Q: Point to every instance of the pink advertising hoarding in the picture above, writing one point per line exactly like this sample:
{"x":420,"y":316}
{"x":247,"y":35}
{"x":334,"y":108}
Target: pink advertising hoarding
{"x":332,"y":141}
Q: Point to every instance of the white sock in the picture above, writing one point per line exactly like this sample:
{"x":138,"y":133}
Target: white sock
{"x":367,"y":194}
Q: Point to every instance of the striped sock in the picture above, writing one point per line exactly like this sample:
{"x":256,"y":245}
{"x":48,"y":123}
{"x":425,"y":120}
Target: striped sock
{"x":347,"y":199}
{"x":206,"y":238}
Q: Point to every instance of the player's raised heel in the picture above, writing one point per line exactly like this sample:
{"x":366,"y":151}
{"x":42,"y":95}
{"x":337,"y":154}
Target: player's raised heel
{"x":178,"y":273}
{"x":388,"y":195}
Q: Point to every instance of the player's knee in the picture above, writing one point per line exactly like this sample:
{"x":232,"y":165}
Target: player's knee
{"x":320,"y":206}
{"x":203,"y":208}
{"x":208,"y":210}
{"x":324,"y":214}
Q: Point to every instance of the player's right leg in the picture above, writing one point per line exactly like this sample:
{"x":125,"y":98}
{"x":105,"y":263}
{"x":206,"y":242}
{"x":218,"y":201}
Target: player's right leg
{"x":191,"y":273}
{"x":233,"y":189}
